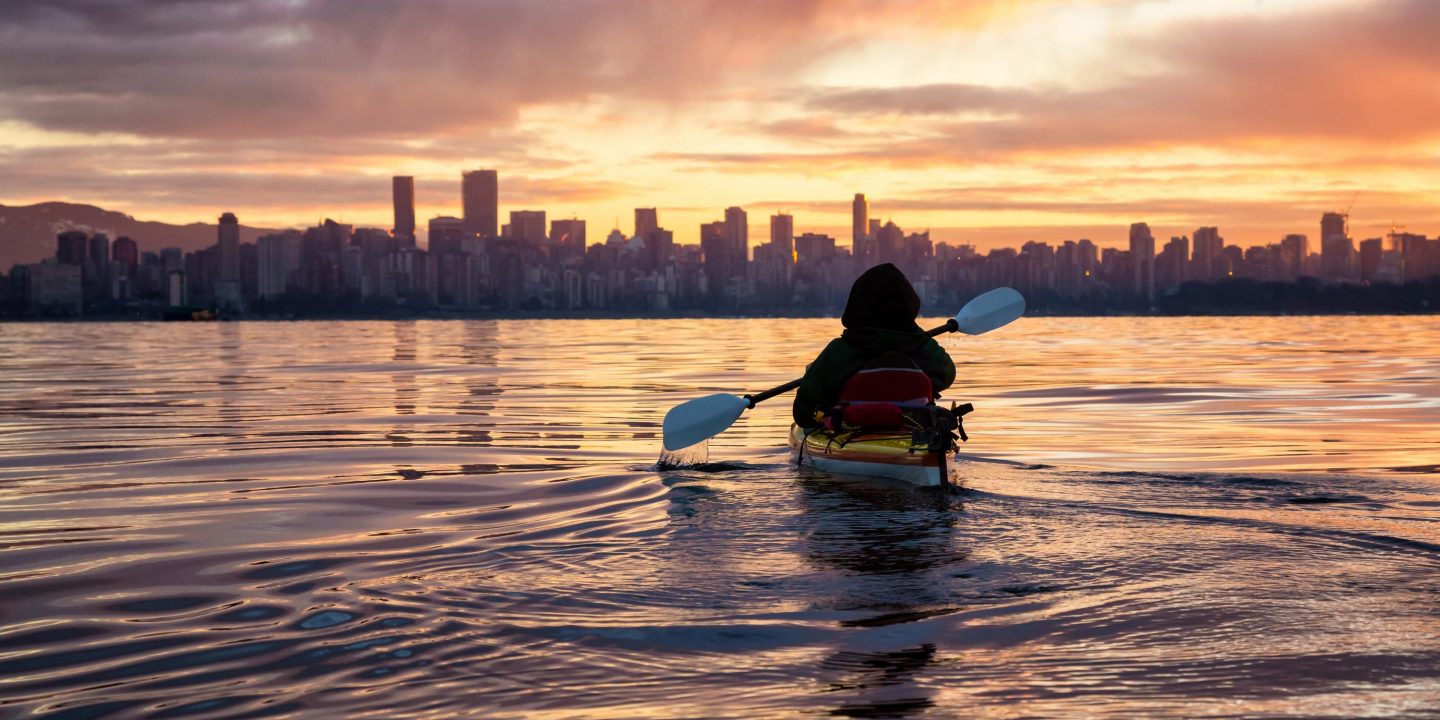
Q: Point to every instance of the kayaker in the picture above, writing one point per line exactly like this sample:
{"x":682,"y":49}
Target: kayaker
{"x":879,"y":318}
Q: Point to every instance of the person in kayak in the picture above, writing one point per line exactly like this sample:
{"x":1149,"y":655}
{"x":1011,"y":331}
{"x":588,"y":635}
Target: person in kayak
{"x":879,"y":318}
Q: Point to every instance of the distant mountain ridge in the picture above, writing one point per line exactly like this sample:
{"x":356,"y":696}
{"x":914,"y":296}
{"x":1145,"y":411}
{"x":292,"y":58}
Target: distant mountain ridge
{"x":27,"y":233}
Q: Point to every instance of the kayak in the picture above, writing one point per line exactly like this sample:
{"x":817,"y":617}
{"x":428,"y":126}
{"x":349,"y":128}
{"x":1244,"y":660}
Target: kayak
{"x":887,"y":453}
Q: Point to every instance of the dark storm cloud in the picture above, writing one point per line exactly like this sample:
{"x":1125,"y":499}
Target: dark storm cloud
{"x":256,"y":68}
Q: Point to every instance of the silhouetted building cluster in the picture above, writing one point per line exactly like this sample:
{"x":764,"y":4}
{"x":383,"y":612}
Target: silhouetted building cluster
{"x":475,"y":264}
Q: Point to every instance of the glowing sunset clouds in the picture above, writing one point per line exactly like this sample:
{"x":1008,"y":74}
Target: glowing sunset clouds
{"x":994,"y":122}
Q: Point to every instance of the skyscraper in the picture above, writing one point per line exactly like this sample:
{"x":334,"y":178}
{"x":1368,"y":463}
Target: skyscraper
{"x":1205,"y":264}
{"x":172,"y":258}
{"x":447,"y":235}
{"x":279,"y":262}
{"x":1371,"y":252}
{"x":887,"y":245}
{"x":1332,"y":224}
{"x":229,"y":242}
{"x":1337,"y":257}
{"x":480,"y":198}
{"x":70,"y":247}
{"x":859,"y":225}
{"x":1142,"y":254}
{"x":811,"y":248}
{"x":717,"y":256}
{"x":1336,"y":249}
{"x":1294,"y":249}
{"x":646,"y":222}
{"x":403,"y":192}
{"x":1170,"y":265}
{"x":528,"y":226}
{"x":99,"y":253}
{"x":782,"y":234}
{"x":126,"y":252}
{"x":1087,"y":256}
{"x":96,"y":271}
{"x":737,"y":234}
{"x":659,"y":247}
{"x":569,"y":234}
{"x":712,"y":235}
{"x":1415,"y":256}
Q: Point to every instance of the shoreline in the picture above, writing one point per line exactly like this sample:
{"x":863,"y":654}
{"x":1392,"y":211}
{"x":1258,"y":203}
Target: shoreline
{"x":676,"y":315}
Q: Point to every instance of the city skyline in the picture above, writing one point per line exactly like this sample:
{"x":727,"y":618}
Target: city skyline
{"x":407,"y":218}
{"x":475,"y":264}
{"x":991,"y":124}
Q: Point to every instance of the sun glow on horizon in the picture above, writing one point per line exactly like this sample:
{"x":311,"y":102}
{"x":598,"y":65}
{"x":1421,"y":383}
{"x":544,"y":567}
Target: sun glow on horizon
{"x":992,"y":123}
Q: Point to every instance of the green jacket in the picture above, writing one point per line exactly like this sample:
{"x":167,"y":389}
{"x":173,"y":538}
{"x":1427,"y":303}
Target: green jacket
{"x":820,"y":388}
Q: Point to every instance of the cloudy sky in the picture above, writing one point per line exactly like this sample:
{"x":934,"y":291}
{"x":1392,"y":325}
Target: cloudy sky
{"x":988,"y":122}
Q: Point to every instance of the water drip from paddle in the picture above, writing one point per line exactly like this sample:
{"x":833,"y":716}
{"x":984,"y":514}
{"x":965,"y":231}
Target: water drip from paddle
{"x":697,"y":454}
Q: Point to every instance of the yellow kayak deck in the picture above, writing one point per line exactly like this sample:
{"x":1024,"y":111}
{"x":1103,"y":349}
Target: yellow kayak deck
{"x":892,"y":454}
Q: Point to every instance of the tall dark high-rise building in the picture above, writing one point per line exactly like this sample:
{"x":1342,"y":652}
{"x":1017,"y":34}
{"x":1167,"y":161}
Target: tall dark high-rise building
{"x":229,"y":242}
{"x":1371,"y":253}
{"x":1294,"y":248}
{"x":859,"y":225}
{"x":98,"y":254}
{"x":528,"y":226}
{"x":1336,"y":249}
{"x":737,"y":233}
{"x":659,"y":247}
{"x":1332,"y":224}
{"x":402,"y":190}
{"x":721,"y":261}
{"x":775,"y":260}
{"x":782,"y":233}
{"x":71,"y":247}
{"x":277,"y":263}
{"x":126,"y":252}
{"x":888,"y":244}
{"x":1171,"y":264}
{"x":568,"y":234}
{"x":1205,"y":264}
{"x":447,"y":235}
{"x":1419,"y":256}
{"x":1087,"y":256}
{"x":171,"y":259}
{"x":714,"y":232}
{"x":1337,"y":257}
{"x":1142,"y":254}
{"x":480,"y":198}
{"x":646,"y":222}
{"x":96,"y":271}
{"x":811,"y":248}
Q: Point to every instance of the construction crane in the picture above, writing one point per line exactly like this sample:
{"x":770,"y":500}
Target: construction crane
{"x":1347,"y":212}
{"x":1395,"y":232}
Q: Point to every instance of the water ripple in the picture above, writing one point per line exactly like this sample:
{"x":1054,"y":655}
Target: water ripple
{"x":1164,"y":518}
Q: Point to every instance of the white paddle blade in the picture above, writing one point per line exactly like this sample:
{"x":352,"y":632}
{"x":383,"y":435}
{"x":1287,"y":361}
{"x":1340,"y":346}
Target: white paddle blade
{"x":990,"y":310}
{"x":701,"y":419}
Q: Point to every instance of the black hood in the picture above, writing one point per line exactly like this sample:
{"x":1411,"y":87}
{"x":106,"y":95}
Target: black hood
{"x":882,"y":298}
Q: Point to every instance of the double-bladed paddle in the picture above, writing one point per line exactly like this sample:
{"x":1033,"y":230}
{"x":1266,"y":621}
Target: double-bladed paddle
{"x":700,"y":419}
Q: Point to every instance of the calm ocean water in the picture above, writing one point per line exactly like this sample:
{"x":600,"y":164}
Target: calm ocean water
{"x":1215,"y":518}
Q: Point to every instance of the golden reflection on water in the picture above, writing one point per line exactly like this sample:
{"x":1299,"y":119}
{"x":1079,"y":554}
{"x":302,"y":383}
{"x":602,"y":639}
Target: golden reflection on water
{"x":442,"y":518}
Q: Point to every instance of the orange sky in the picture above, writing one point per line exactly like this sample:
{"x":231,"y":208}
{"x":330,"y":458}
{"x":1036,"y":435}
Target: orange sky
{"x":995,"y":124}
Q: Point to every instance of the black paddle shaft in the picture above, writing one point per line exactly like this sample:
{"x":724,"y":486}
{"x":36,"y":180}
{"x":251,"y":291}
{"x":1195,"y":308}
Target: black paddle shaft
{"x":949,"y":326}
